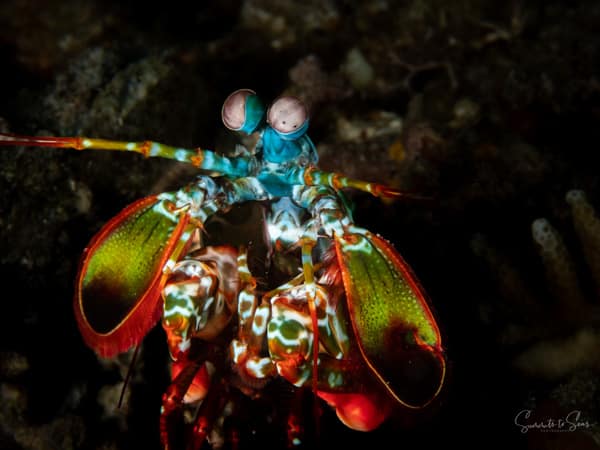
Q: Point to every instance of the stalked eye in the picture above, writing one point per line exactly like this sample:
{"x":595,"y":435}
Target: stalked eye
{"x":287,"y":115}
{"x":234,"y":109}
{"x":242,"y":111}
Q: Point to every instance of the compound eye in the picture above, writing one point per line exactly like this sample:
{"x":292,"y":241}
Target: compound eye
{"x":234,"y":109}
{"x":287,"y":114}
{"x":243,"y":111}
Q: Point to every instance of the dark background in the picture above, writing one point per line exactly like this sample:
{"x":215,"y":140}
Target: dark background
{"x":490,"y":108}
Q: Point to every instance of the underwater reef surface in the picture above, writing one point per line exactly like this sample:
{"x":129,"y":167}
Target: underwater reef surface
{"x":490,"y":110}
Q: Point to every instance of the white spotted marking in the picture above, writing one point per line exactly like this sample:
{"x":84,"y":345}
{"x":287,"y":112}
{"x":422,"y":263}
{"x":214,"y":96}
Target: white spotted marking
{"x":335,"y":380}
{"x":259,"y":325}
{"x":238,"y":350}
{"x":258,"y":367}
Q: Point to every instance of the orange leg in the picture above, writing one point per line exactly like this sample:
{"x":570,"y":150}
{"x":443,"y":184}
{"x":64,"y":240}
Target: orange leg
{"x":172,"y":401}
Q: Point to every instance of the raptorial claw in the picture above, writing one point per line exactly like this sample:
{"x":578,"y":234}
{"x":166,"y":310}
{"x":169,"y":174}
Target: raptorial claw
{"x":172,"y":401}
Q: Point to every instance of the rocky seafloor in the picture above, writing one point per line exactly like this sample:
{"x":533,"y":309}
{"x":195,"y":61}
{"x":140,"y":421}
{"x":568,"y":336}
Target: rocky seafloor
{"x":490,"y":109}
